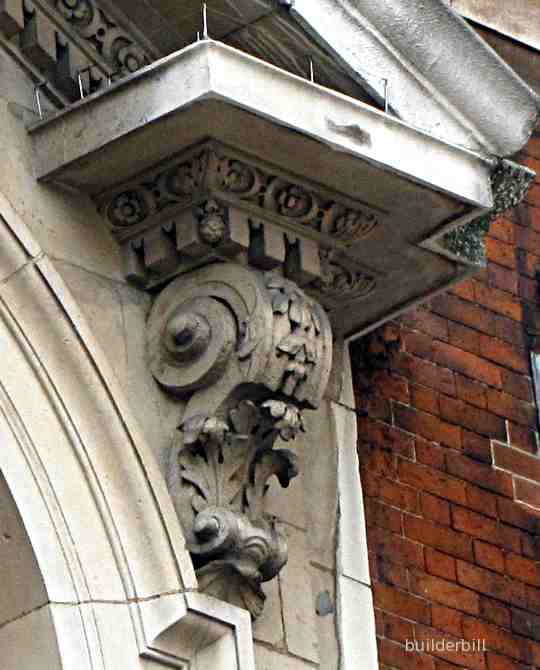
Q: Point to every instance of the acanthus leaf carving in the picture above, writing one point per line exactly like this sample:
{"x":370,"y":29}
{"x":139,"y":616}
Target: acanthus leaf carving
{"x":226,"y":468}
{"x":254,"y":352}
{"x":339,"y":281}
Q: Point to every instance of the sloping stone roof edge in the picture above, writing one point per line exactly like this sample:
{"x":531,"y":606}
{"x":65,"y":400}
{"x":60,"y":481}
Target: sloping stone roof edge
{"x":439,"y":75}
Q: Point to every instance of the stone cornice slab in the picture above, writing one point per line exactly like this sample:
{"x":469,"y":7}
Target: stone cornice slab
{"x":210,"y":70}
{"x":306,"y":148}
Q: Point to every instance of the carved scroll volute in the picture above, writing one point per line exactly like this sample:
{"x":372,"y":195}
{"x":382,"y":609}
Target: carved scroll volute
{"x":252,"y":350}
{"x":214,"y":324}
{"x":238,"y":326}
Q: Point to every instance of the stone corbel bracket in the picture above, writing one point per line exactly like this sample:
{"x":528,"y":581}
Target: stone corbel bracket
{"x":212,"y":203}
{"x":251,"y":351}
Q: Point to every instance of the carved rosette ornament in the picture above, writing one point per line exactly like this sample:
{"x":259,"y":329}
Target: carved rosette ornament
{"x":213,"y":170}
{"x":251,"y":351}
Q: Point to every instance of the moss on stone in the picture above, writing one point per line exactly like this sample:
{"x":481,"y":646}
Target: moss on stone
{"x":468,"y":241}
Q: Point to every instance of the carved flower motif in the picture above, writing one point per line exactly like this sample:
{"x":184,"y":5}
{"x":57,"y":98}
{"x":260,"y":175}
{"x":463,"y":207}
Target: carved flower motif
{"x":181,"y":181}
{"x":338,"y":280}
{"x":212,"y":229}
{"x":294,"y":201}
{"x":240,"y":178}
{"x":204,"y":429}
{"x":128,"y":209}
{"x":76,"y":11}
{"x":287,"y":417}
{"x":126,"y":55}
{"x":354,"y":224}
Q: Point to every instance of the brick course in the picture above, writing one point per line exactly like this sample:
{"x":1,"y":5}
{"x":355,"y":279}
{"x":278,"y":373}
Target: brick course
{"x":451,"y":468}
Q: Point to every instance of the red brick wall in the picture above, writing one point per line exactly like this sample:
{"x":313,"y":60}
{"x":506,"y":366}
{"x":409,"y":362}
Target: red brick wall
{"x":448,"y":447}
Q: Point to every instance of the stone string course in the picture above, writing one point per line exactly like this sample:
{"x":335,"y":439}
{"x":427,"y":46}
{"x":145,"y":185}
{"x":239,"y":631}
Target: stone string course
{"x":450,"y":464}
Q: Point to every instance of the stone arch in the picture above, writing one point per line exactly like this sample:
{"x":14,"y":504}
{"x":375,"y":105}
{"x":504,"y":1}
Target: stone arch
{"x":113,"y":577}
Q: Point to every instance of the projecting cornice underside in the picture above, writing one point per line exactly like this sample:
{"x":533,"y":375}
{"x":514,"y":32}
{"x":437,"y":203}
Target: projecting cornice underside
{"x":351,"y":202}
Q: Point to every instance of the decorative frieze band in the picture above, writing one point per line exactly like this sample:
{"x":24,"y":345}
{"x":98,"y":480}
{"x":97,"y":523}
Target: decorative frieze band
{"x":113,"y":43}
{"x":218,"y":169}
{"x":74,"y":44}
{"x":214,"y":204}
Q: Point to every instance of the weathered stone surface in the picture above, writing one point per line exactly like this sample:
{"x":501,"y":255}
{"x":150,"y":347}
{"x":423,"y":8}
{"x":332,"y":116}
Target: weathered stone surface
{"x":269,"y":626}
{"x":324,"y":591}
{"x":320,"y":487}
{"x":30,"y":643}
{"x":352,"y":551}
{"x":62,"y":223}
{"x":99,"y":300}
{"x":289,"y":505}
{"x":301,"y":634}
{"x":266,"y":659}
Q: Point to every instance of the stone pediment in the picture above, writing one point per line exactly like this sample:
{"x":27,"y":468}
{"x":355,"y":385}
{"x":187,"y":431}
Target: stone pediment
{"x":348,"y":200}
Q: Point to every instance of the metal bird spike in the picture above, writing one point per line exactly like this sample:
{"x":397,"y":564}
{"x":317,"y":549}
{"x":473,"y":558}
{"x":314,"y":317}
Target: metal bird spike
{"x":37,"y":98}
{"x":81,"y":84}
{"x":205,"y":21}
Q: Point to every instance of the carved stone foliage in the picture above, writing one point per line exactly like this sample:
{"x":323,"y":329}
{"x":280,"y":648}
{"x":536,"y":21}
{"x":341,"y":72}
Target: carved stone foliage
{"x":215,"y":204}
{"x":251,"y":351}
{"x":340,"y":282}
{"x":227,"y":466}
{"x":214,"y":169}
